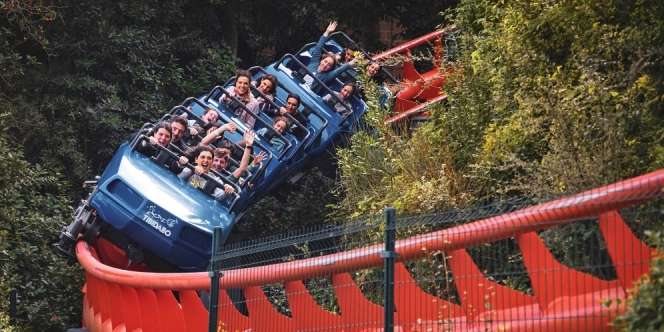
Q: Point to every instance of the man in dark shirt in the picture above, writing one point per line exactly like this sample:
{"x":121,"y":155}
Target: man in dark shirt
{"x":154,"y":146}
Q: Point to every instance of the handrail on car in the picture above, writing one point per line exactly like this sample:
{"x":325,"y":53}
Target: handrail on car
{"x":313,"y":109}
{"x":304,"y":104}
{"x":140,"y":137}
{"x":260,"y":144}
{"x":255,"y":116}
{"x":226,"y":120}
{"x":366,"y":54}
{"x":272,"y":102}
{"x":323,"y":85}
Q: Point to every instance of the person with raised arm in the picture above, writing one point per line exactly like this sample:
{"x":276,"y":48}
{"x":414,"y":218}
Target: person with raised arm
{"x":222,"y":155}
{"x":322,"y":63}
{"x":218,"y":133}
{"x":203,"y":158}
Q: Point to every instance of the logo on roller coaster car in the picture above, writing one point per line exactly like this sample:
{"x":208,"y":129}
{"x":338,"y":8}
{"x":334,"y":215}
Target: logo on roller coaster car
{"x":161,"y":224}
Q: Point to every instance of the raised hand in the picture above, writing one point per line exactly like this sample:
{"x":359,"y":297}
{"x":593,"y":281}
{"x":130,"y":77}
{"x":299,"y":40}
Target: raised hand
{"x":249,"y":136}
{"x":230,"y":127}
{"x":259,"y":158}
{"x":330,"y":28}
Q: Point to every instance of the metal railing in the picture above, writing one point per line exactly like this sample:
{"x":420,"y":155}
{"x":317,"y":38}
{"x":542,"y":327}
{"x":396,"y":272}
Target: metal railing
{"x":491,"y":267}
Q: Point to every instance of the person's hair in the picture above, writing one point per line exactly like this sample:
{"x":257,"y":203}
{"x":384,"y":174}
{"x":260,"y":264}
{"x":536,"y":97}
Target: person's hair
{"x":241,"y":72}
{"x":351,"y":85}
{"x":328,"y":55}
{"x":200,"y":149}
{"x":272,"y":80}
{"x":280,"y":118}
{"x":180,"y":120}
{"x":294,"y":96}
{"x":222,"y":151}
{"x":209,"y":110}
{"x":162,"y":125}
{"x":225,"y":143}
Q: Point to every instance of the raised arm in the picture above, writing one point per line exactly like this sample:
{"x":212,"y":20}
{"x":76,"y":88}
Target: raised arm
{"x":331,"y":75}
{"x":213,"y":135}
{"x":248,"y":146}
{"x":330,"y":28}
{"x":317,"y":50}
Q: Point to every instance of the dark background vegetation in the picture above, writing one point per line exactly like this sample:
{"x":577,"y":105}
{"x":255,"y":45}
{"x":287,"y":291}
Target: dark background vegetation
{"x":548,"y":98}
{"x":78,"y":77}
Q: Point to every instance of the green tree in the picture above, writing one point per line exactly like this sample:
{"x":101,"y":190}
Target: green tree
{"x":33,"y":207}
{"x":87,"y":74}
{"x":546,"y":98}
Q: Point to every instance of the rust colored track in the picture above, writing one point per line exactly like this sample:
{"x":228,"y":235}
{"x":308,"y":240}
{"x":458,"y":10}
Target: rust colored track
{"x":120,"y":300}
{"x":417,"y":90}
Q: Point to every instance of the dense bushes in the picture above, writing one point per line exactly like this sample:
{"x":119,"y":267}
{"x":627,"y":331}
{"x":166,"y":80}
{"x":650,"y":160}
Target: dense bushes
{"x":33,"y":208}
{"x":645,"y":310}
{"x":547,"y":98}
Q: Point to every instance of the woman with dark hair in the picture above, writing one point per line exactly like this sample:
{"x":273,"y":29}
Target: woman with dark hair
{"x":341,"y":104}
{"x":203,"y":156}
{"x":241,"y":90}
{"x":322,"y":63}
{"x":266,"y":85}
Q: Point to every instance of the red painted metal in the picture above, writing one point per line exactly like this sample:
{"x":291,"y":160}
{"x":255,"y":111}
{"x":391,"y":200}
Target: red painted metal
{"x":414,"y":108}
{"x":417,"y":91}
{"x":263,"y":315}
{"x":230,"y":318}
{"x":486,"y":300}
{"x":418,"y":310}
{"x":118,"y":300}
{"x":617,"y":236}
{"x":307,"y":314}
{"x":408,"y":45}
{"x":356,"y":310}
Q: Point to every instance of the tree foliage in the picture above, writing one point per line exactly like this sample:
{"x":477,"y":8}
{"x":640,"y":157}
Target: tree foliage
{"x":33,"y":208}
{"x":547,"y":98}
{"x":646,"y":306}
{"x":86,"y":74}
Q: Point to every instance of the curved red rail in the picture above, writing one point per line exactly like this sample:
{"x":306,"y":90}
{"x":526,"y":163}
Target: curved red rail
{"x":535,"y":218}
{"x":562,"y":299}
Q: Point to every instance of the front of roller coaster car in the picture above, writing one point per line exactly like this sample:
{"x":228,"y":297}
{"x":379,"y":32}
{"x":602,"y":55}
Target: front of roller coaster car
{"x":149,"y":205}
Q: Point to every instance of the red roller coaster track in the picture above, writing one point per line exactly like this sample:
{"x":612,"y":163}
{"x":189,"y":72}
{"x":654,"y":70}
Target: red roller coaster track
{"x":418,"y":90}
{"x":121,"y":300}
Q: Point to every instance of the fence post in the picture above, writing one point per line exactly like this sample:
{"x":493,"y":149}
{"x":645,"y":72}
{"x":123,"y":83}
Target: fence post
{"x":215,"y":274}
{"x":389,"y":255}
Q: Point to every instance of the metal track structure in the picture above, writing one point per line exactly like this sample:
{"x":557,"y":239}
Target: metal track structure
{"x":561,"y":297}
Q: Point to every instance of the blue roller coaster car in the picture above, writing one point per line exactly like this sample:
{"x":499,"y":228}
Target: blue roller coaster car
{"x":143,"y":207}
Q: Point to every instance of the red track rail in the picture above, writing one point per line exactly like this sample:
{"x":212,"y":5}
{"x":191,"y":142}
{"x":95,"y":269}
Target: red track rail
{"x":119,"y":299}
{"x":417,"y":90}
